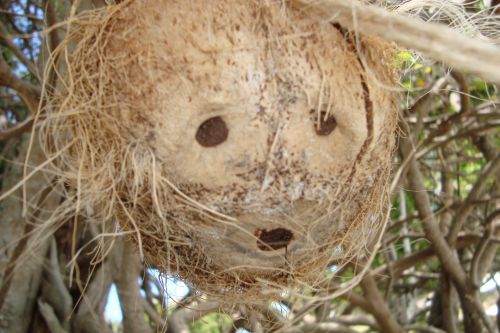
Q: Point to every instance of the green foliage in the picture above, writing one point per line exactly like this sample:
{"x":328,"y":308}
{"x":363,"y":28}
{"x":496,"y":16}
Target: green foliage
{"x":211,"y":323}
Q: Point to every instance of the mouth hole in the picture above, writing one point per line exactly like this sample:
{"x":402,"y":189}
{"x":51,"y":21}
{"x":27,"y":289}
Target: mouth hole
{"x":274,"y":239}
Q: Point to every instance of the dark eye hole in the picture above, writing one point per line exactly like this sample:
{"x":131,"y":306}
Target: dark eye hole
{"x":212,"y":132}
{"x":325,"y":124}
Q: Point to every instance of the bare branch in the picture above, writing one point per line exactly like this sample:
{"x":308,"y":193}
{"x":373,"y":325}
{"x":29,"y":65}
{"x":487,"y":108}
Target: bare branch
{"x":55,"y":291}
{"x":129,"y":291}
{"x":402,"y":264}
{"x":473,"y":312}
{"x":324,"y":327}
{"x":19,"y":249}
{"x":430,"y":225}
{"x":29,"y":93}
{"x":50,"y":317}
{"x":492,"y":169}
{"x":379,"y":308}
{"x":424,"y":329}
{"x":179,"y":320}
{"x":17,"y":131}
{"x":356,"y":320}
{"x":31,"y":17}
{"x":6,"y":39}
{"x":87,"y":320}
{"x":357,"y":300}
{"x":54,"y":39}
{"x":492,"y":229}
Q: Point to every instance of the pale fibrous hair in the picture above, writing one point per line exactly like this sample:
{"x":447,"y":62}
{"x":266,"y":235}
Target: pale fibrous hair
{"x":101,"y":139}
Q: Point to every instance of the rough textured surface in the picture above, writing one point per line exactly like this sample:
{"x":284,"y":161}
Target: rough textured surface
{"x":242,"y":144}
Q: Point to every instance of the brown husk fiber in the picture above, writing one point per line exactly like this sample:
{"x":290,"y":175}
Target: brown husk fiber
{"x":292,"y":177}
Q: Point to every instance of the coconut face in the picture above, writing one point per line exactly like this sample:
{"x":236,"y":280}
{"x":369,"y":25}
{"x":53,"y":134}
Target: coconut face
{"x":256,"y":140}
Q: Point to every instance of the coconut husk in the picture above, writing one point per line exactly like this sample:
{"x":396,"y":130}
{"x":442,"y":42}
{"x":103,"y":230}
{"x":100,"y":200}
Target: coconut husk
{"x":243,"y":146}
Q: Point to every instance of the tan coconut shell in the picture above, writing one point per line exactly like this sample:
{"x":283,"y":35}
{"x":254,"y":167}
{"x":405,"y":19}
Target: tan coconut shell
{"x":243,"y":145}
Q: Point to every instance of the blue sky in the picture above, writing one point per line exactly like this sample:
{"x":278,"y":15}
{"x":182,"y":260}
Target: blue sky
{"x":175,"y":291}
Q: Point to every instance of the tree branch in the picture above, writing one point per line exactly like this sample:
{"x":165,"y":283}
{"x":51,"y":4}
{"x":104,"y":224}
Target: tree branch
{"x":472,"y":312}
{"x":54,"y":290}
{"x":29,"y":93}
{"x":87,"y":320}
{"x":51,"y":18}
{"x":492,"y":169}
{"x":324,"y":327}
{"x":19,"y":249}
{"x":379,"y":308}
{"x":179,"y":320}
{"x":129,"y":291}
{"x":17,"y":131}
{"x":50,"y":317}
{"x":5,"y":39}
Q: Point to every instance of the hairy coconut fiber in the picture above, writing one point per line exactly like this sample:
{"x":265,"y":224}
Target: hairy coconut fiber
{"x":244,"y":146}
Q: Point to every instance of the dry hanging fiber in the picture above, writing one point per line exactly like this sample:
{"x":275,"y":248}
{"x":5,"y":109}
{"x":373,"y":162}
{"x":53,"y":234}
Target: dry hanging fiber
{"x":243,"y":146}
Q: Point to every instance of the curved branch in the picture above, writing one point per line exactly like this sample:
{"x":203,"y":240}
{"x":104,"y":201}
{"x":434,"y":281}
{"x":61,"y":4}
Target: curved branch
{"x":50,"y":317}
{"x":379,"y":308}
{"x":29,"y":93}
{"x":17,"y":131}
{"x":129,"y":291}
{"x":492,"y":169}
{"x":179,"y":320}
{"x":5,"y":39}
